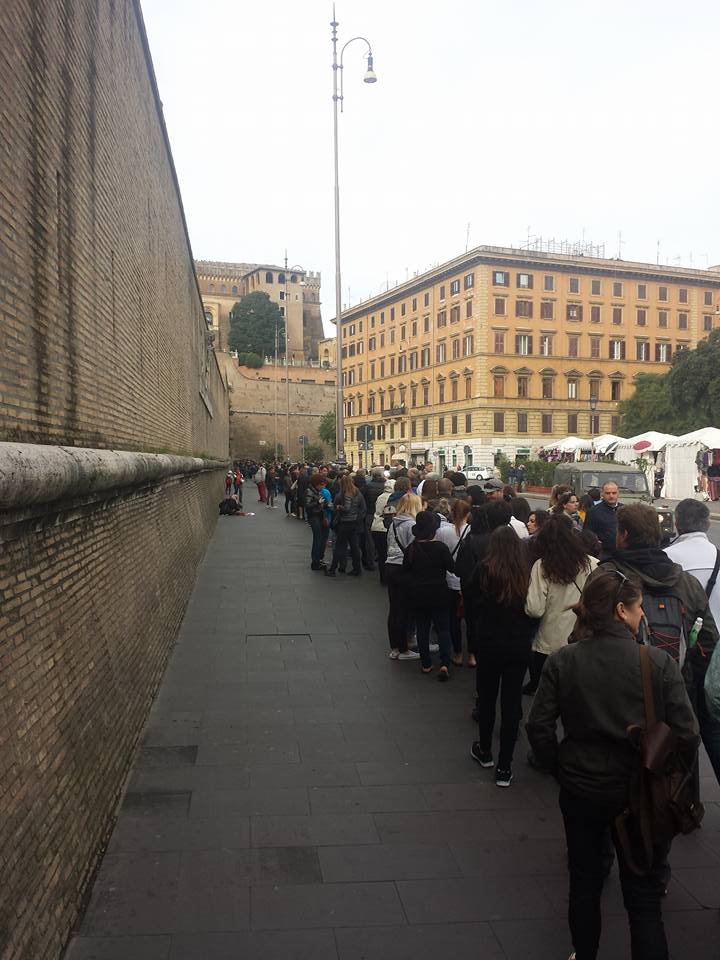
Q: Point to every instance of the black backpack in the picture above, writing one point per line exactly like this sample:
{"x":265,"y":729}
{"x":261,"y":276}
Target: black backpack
{"x":663,"y":625}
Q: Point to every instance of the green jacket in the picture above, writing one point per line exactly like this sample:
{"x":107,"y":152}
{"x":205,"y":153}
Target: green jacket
{"x":595,"y":687}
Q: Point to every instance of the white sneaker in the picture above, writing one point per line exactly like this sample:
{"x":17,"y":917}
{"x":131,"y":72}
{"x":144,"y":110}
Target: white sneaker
{"x":409,"y":655}
{"x":394,"y":654}
{"x":434,"y":648}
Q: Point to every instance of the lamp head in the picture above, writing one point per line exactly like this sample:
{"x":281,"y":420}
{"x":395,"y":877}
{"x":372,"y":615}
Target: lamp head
{"x":370,"y":73}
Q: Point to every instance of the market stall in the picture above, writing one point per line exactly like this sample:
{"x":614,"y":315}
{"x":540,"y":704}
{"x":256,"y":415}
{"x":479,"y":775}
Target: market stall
{"x":605,"y":442}
{"x":565,"y":450}
{"x":692,"y":465}
{"x":647,"y":450}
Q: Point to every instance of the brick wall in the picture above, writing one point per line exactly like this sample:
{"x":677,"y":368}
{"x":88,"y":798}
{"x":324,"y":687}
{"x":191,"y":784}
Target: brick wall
{"x":102,"y":332}
{"x":93,"y":592}
{"x":102,"y":345}
{"x":253,"y":402}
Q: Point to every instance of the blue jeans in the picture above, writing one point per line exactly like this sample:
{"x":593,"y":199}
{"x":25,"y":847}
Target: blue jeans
{"x":439,"y":617}
{"x":320,"y":534}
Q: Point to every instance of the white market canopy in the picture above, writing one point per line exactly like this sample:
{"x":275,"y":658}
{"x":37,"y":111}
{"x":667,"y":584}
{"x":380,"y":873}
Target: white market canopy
{"x":681,"y":472}
{"x":606,"y":440}
{"x":626,"y":451}
{"x":568,"y":444}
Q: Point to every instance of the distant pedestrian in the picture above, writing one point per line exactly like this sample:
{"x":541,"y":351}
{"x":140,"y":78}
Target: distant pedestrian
{"x":228,"y":482}
{"x":259,"y":478}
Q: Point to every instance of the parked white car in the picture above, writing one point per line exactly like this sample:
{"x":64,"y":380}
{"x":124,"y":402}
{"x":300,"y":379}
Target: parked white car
{"x":483,"y":473}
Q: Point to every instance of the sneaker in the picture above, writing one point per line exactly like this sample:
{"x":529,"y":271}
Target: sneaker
{"x":485,"y":759}
{"x":409,"y":655}
{"x":503,"y":778}
{"x":434,"y":648}
{"x":394,"y":655}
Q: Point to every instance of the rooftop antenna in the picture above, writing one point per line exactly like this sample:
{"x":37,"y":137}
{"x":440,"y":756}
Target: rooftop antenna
{"x":467,"y":238}
{"x":620,"y":245}
{"x":658,"y":253}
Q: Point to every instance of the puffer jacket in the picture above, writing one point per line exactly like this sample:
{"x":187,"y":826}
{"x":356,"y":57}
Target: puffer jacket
{"x":377,"y":521}
{"x":399,"y":537}
{"x":350,"y":509}
{"x":595,"y":687}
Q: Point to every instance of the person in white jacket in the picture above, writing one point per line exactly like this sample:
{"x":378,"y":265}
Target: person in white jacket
{"x":693,"y":550}
{"x":556,"y":583}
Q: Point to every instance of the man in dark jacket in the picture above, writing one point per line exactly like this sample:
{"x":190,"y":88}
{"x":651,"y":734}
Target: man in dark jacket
{"x":303,"y":482}
{"x":638,"y":557}
{"x":602,"y":519}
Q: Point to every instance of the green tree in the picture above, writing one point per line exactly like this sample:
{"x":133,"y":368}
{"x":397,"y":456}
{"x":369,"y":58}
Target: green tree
{"x":649,"y":408}
{"x":253,"y":321}
{"x":327,"y":428}
{"x":250,"y":360}
{"x":685,"y":398}
{"x":314,"y":452}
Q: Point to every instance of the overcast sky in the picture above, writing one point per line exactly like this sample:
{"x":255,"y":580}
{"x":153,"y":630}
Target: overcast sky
{"x":564,"y":118}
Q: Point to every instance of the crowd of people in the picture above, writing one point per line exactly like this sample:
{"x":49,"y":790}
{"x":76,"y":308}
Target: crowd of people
{"x":553,"y":604}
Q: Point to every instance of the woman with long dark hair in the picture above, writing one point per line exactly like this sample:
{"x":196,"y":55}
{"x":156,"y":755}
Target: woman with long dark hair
{"x":595,"y":687}
{"x":504,"y":635}
{"x":350,"y":508}
{"x":556,"y":582}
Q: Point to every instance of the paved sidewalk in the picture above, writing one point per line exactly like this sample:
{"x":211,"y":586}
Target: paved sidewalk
{"x":298,"y":796}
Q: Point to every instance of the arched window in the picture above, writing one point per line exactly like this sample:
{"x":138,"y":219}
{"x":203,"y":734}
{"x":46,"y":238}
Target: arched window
{"x":281,"y":278}
{"x":222,"y":288}
{"x":269,"y":277}
{"x":234,"y":291}
{"x":293,"y":278}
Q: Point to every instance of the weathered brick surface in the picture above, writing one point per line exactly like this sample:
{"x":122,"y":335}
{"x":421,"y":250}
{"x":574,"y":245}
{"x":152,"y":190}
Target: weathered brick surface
{"x":102,"y":331}
{"x":102,"y":344}
{"x":92,"y":595}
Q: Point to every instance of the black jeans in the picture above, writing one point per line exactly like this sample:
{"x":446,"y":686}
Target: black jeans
{"x":537,"y":662}
{"x":586,"y":829}
{"x":439,"y":616}
{"x":500,"y":667}
{"x":455,"y":622}
{"x":346,"y":537}
{"x":288,"y":501}
{"x":320,"y":535}
{"x":380,"y":543}
{"x":709,"y":726}
{"x":400,"y":616}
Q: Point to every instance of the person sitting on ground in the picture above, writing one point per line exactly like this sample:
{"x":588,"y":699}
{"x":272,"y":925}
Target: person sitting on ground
{"x":556,"y":582}
{"x":230,"y":506}
{"x":399,"y":537}
{"x":426,"y":563}
{"x":504,"y":632}
{"x":596,"y":760}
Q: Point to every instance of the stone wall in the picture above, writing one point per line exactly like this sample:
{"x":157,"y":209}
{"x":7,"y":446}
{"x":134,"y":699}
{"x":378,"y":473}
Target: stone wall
{"x":103,"y":350}
{"x":93,"y":589}
{"x":253,"y":404}
{"x":102,"y":330}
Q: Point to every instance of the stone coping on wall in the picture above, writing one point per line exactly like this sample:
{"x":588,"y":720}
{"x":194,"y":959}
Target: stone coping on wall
{"x":42,"y":473}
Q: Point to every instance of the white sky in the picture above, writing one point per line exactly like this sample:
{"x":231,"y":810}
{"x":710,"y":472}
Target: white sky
{"x":567,"y":117}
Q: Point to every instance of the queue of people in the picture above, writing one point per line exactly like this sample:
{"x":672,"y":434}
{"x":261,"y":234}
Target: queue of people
{"x":557,"y":604}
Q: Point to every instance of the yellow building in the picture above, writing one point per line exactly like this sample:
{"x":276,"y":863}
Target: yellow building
{"x":296,"y":292}
{"x":505,"y":350}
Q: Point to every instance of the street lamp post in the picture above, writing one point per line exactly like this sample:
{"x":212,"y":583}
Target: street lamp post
{"x":338,"y":98}
{"x":593,"y":408}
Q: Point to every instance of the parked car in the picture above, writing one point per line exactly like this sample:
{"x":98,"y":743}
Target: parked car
{"x":479,"y":474}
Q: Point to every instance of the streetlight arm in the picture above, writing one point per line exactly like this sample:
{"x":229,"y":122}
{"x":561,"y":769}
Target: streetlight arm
{"x":341,"y":97}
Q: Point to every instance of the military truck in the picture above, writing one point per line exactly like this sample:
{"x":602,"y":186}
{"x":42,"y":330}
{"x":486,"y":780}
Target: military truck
{"x":632,"y":484}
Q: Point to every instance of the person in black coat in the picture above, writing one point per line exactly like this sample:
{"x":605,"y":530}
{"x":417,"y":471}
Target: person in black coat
{"x":602,"y":519}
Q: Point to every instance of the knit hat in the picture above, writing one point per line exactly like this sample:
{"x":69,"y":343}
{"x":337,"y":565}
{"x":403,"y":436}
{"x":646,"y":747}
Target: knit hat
{"x":425,"y":526}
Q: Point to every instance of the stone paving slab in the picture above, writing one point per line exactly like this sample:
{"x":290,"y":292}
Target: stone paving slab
{"x":298,"y":796}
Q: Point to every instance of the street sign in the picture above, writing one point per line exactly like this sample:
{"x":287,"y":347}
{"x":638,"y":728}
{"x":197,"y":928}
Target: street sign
{"x":302,"y":439}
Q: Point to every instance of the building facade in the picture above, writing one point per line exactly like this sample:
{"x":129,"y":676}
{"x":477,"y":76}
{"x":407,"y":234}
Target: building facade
{"x":296,"y":292}
{"x":504,"y":350}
